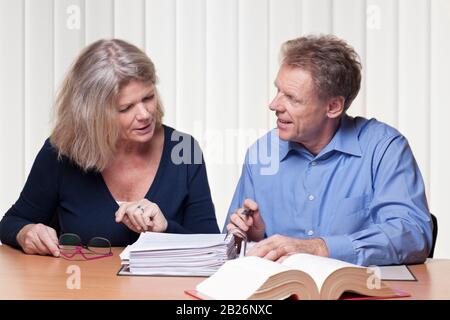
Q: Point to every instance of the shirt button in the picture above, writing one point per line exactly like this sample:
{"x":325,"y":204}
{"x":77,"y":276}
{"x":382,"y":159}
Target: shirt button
{"x":313,"y":163}
{"x":311,"y":197}
{"x":310,"y":232}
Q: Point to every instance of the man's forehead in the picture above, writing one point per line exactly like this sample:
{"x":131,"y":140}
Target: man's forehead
{"x":294,"y":76}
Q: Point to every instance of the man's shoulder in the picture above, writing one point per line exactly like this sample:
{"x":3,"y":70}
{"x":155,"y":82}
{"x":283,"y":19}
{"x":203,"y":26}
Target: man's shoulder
{"x":266,"y":140}
{"x":374,"y":130}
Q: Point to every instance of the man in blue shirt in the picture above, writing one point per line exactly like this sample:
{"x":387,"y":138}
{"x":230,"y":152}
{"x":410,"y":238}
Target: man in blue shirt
{"x":347,"y":188}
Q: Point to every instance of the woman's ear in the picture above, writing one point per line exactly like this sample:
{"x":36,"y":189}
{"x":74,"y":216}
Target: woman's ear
{"x":335,"y":107}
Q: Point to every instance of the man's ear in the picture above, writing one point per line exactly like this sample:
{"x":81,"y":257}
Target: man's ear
{"x":335,"y":107}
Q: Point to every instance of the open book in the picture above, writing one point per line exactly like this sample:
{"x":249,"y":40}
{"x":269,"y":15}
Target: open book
{"x":300,"y":276}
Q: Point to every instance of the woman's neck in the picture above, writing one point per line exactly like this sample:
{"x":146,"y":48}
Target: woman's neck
{"x":131,"y":149}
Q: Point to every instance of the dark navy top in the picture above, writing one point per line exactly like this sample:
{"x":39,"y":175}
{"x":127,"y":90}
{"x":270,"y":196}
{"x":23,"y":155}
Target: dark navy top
{"x":81,"y":203}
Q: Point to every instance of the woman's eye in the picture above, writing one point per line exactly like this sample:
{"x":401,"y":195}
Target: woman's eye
{"x":125,"y":109}
{"x":148,"y":98}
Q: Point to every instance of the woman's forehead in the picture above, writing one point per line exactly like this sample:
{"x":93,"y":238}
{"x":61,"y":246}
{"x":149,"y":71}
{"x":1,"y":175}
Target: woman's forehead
{"x":134,"y":90}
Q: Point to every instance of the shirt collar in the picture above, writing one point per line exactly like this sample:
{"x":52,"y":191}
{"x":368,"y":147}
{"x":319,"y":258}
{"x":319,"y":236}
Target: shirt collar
{"x":345,"y":140}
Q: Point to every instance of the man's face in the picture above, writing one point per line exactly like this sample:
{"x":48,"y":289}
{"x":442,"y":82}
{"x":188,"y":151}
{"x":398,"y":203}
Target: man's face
{"x":301,"y":114}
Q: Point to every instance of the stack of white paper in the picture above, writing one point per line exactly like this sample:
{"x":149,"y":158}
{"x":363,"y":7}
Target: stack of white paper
{"x":178,"y":254}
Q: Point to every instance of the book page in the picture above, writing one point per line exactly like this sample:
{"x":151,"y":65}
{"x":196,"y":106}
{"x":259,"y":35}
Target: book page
{"x":394,"y":273}
{"x":165,"y":241}
{"x":319,"y":268}
{"x":240,"y":278}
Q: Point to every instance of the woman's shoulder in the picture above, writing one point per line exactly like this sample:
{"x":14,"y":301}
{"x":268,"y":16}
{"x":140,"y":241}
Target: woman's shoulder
{"x":170,"y":132}
{"x":48,"y":151}
{"x":182,"y":147}
{"x":174,"y":136}
{"x":49,"y":154}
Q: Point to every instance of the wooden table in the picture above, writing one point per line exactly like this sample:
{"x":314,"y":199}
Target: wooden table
{"x":37,"y":277}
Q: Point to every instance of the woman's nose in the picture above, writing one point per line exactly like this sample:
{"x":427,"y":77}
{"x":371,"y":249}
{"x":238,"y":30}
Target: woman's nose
{"x":143,"y":112}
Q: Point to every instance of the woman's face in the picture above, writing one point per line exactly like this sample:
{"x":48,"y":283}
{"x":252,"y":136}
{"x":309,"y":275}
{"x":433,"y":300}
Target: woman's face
{"x":137,"y":108}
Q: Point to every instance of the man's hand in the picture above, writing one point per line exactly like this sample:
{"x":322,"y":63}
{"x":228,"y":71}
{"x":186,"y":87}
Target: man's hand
{"x":38,"y":239}
{"x":278,"y":248}
{"x":252,"y":225}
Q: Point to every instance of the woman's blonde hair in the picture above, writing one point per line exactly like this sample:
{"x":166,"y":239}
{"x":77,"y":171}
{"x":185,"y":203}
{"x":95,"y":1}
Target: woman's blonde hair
{"x":86,"y":129}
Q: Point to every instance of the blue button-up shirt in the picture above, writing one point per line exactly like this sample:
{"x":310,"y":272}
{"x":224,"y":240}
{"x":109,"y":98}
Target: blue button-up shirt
{"x":363,"y":194}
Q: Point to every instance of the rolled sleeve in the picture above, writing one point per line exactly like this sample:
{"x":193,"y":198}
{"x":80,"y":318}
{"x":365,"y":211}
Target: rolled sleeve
{"x":340,"y":247}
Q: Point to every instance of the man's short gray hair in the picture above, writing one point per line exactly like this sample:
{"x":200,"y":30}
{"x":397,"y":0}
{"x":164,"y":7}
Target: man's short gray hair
{"x":334,"y":65}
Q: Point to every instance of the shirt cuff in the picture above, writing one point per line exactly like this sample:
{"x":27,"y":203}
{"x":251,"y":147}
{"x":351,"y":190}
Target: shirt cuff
{"x":340,"y":248}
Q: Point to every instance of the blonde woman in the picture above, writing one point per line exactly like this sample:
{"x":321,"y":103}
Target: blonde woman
{"x":107,"y":169}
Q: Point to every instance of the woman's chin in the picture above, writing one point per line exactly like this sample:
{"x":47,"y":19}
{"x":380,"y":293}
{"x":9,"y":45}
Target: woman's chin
{"x":145,"y":134}
{"x":144,"y":137}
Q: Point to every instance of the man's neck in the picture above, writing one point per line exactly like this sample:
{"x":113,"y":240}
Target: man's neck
{"x":323,"y":139}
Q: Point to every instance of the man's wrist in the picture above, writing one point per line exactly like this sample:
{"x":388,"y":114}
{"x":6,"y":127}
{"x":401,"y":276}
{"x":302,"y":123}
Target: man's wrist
{"x":321,"y":248}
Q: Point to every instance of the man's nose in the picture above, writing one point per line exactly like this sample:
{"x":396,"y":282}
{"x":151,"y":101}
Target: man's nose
{"x":276,"y":104}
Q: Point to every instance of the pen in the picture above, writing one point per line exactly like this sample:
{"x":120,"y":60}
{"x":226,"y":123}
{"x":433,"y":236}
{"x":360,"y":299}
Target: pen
{"x":247,"y":212}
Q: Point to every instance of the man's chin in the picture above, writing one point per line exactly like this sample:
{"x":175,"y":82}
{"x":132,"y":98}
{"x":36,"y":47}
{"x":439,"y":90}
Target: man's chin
{"x":284,"y":135}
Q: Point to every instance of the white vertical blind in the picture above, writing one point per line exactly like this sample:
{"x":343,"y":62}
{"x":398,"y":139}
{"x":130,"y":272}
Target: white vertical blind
{"x":39,"y":73}
{"x":129,"y":21}
{"x":217,"y":60}
{"x":191,"y":69}
{"x":284,"y":23}
{"x":69,"y":27}
{"x":382,"y":61}
{"x":253,"y":73}
{"x":12,"y":95}
{"x":317,"y":16}
{"x":439,"y":113}
{"x":99,"y":20}
{"x":414,"y":79}
{"x":221,"y":108}
{"x":349,"y":23}
{"x":160,"y":45}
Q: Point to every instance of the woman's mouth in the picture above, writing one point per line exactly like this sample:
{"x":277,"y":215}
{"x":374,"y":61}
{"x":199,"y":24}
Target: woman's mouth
{"x":144,"y":129}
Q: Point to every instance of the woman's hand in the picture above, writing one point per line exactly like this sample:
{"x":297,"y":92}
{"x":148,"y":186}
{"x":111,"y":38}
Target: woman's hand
{"x":38,"y":239}
{"x":141,"y":216}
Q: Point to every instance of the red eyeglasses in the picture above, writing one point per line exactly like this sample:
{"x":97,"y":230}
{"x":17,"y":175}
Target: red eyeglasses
{"x":71,"y":247}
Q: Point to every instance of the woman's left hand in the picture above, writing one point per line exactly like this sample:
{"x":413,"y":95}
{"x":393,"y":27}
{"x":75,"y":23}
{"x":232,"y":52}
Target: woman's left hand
{"x":141,"y":216}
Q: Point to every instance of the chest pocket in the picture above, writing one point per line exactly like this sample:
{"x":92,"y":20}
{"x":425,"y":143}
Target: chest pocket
{"x":347,"y":206}
{"x":351,"y":215}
